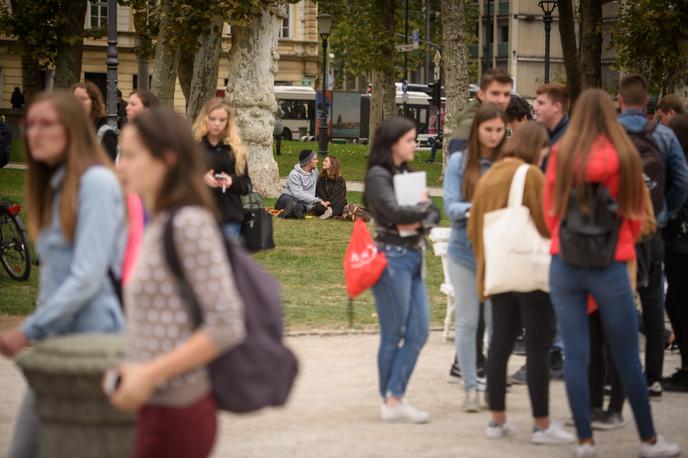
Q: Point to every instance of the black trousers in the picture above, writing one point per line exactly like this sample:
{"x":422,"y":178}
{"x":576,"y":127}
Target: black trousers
{"x":652,"y":298}
{"x":337,"y":209}
{"x":300,"y":208}
{"x":676,"y":268}
{"x":511,"y":312}
{"x":601,"y":368}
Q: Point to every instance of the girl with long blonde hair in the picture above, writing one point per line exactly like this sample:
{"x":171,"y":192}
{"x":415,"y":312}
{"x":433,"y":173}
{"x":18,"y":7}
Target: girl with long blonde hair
{"x":596,"y":154}
{"x":226,"y":162}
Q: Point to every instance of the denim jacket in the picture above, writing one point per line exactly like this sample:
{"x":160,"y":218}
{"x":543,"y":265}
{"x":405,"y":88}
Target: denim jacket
{"x":674,"y":160}
{"x":75,"y":292}
{"x":456,"y":207}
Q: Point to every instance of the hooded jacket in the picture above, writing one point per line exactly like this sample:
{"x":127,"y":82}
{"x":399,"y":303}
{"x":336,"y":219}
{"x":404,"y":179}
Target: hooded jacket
{"x":301,"y":185}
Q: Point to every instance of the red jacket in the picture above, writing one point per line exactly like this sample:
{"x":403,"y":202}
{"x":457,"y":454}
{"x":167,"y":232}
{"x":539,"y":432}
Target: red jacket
{"x":602,"y":167}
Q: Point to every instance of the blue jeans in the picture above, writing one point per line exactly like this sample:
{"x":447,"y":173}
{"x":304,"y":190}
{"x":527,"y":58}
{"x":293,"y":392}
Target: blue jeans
{"x":463,"y":281}
{"x":401,"y":301}
{"x":232,"y":230}
{"x":569,"y":290}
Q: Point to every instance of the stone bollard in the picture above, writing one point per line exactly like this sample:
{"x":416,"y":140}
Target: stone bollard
{"x":76,"y":419}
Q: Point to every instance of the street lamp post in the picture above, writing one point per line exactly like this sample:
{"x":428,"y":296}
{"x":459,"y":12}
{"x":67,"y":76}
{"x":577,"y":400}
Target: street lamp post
{"x":547,"y":7}
{"x":112,"y":62}
{"x":324,"y":26}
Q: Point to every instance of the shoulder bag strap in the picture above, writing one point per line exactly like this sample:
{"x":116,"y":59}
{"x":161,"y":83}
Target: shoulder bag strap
{"x":518,"y":184}
{"x":174,"y":263}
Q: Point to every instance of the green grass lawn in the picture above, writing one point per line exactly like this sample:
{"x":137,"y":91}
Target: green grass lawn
{"x":17,"y":150}
{"x":307,"y":262}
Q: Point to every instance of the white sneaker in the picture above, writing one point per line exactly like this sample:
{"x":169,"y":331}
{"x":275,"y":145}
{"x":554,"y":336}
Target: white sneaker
{"x":327,"y":214}
{"x":471,"y":402}
{"x":497,"y":431}
{"x":659,"y":448}
{"x":584,"y":451}
{"x":403,"y":413}
{"x":554,"y":435}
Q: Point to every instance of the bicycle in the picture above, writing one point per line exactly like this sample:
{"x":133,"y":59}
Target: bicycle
{"x":15,"y":252}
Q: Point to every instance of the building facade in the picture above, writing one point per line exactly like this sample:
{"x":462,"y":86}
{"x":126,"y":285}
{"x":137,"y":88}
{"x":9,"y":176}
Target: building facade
{"x":298,"y":49}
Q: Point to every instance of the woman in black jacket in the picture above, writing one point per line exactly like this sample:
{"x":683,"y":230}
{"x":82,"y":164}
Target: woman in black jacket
{"x":401,"y":299}
{"x":331,"y":187}
{"x":92,"y":100}
{"x":226,"y":162}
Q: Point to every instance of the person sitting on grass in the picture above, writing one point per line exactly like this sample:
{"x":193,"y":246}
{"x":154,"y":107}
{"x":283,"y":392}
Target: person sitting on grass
{"x":331,"y":187}
{"x":298,"y":196}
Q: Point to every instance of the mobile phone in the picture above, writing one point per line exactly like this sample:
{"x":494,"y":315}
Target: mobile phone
{"x":219,"y":176}
{"x":111,"y":381}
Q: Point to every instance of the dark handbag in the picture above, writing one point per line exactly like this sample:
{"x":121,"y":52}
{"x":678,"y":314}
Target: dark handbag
{"x":256,"y":231}
{"x":251,"y":201}
{"x":261,"y":370}
{"x":588,"y":237}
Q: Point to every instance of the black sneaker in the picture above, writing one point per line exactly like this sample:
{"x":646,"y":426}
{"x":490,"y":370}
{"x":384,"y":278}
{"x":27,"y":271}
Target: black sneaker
{"x":677,"y":383}
{"x":519,"y":377}
{"x":608,"y":421}
{"x":655,"y":391}
{"x":454,"y":373}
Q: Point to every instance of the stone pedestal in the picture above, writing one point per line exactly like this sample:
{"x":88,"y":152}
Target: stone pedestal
{"x":76,"y":419}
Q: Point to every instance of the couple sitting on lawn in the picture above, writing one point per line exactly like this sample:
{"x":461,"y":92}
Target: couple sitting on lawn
{"x":322,"y":195}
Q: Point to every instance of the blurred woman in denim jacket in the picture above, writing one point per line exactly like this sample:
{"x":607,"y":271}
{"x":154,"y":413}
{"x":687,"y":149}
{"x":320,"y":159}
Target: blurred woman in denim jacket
{"x":76,"y":214}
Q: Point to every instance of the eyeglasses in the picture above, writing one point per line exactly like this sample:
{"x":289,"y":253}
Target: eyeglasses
{"x":42,"y":124}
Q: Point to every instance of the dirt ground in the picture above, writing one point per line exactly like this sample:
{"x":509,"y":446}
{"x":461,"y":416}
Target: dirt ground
{"x":334,"y":410}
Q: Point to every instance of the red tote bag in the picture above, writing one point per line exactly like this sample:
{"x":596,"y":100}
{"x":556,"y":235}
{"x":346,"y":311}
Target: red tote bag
{"x":363,"y":263}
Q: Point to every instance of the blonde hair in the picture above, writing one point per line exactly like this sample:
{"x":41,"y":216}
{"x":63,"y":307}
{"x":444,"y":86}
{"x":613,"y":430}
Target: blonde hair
{"x":231,"y":133}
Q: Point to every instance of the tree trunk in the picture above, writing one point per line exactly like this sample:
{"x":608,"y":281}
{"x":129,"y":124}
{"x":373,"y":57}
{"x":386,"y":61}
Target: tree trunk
{"x":205,"y":68}
{"x":70,"y":43}
{"x":456,"y":81}
{"x":252,"y":69}
{"x":166,"y":57}
{"x":591,"y":43}
{"x":567,"y":30}
{"x":185,"y":69}
{"x":383,"y":101}
{"x":32,"y":83}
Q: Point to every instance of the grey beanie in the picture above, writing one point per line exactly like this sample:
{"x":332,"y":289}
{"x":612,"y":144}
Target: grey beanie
{"x":306,"y":156}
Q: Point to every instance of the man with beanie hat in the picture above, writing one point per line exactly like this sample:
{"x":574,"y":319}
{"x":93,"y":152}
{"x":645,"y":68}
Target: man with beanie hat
{"x":298,"y":196}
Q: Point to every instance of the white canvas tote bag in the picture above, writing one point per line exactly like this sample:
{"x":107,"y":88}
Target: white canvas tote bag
{"x":517,"y":257}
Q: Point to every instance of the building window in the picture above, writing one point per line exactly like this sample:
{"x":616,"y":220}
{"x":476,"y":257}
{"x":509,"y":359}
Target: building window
{"x":135,"y":82}
{"x":504,"y":34}
{"x":97,"y":14}
{"x":284,"y":30}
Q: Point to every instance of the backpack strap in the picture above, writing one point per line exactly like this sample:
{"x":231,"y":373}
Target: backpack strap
{"x":649,"y":127}
{"x":174,"y":263}
{"x":102,"y":130}
{"x":518,"y":184}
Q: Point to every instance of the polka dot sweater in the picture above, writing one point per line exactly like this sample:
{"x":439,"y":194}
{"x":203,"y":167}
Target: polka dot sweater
{"x":157,"y":319}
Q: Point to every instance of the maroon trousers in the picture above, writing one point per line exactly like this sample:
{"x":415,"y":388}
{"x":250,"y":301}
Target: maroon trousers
{"x":171,"y":432}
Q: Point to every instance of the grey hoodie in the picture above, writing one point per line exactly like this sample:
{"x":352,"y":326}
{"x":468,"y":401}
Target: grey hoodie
{"x":301,"y":185}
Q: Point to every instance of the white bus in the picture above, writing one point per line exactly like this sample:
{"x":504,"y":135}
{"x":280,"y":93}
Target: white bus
{"x":298,"y":105}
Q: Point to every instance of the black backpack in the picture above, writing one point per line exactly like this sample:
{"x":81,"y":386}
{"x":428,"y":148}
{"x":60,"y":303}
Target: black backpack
{"x":5,"y":142}
{"x":654,"y":170}
{"x":588,"y":239}
{"x":260,"y":371}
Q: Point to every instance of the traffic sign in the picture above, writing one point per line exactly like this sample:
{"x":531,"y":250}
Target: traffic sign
{"x":438,"y":58}
{"x":415,"y":37}
{"x":407,"y":47}
{"x":437,"y":73}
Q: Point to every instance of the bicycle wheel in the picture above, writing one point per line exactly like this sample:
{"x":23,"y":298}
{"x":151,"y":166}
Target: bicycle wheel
{"x":15,"y":254}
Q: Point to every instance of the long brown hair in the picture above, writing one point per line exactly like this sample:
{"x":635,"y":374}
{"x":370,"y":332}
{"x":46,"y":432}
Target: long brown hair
{"x":97,"y":101}
{"x":231,"y":134}
{"x":335,"y":170}
{"x":526,"y":142}
{"x":471,"y":174}
{"x":167,"y":135}
{"x":82,"y":151}
{"x":593,"y":117}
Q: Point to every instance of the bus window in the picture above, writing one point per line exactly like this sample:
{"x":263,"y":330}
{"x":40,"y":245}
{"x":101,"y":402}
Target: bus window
{"x":295,"y":109}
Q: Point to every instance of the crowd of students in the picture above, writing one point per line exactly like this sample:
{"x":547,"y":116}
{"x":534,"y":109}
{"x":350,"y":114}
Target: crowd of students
{"x":605,"y":192}
{"x":91,"y":193}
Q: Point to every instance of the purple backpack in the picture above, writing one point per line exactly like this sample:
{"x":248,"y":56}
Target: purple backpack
{"x":261,"y":370}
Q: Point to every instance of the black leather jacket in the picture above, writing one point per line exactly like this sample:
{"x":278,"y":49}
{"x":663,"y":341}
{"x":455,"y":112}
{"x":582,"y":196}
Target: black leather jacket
{"x":382,"y":203}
